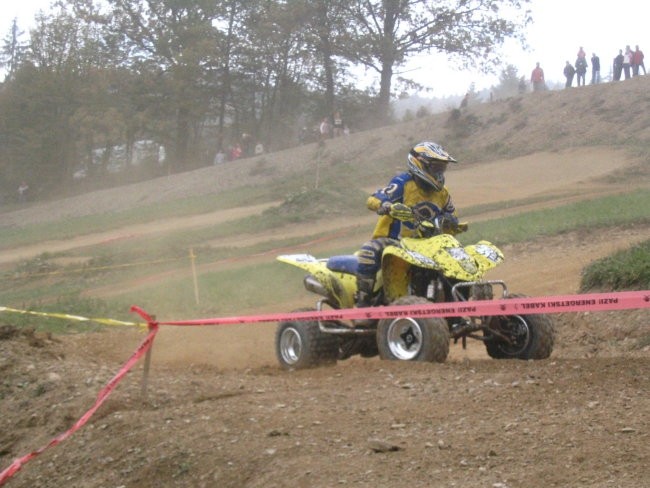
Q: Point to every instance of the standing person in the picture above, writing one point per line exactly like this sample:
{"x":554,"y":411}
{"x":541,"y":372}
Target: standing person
{"x":569,"y":72}
{"x":22,"y":192}
{"x":247,"y":144}
{"x":338,"y":125}
{"x":627,"y":62}
{"x":325,"y":129}
{"x":220,"y":157}
{"x":595,"y":69}
{"x":537,"y":78}
{"x":618,"y":65}
{"x":637,"y":61}
{"x":235,"y":152}
{"x":581,"y":70}
{"x":422,"y":189}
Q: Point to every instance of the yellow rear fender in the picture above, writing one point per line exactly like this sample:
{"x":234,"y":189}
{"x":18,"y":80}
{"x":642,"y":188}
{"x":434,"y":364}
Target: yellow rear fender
{"x":304,"y":261}
{"x":340,"y":287}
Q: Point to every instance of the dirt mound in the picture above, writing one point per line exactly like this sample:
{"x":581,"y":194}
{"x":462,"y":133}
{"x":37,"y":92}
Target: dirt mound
{"x":579,"y":419}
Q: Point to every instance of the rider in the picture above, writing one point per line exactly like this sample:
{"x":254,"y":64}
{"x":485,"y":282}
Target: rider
{"x":422,"y":189}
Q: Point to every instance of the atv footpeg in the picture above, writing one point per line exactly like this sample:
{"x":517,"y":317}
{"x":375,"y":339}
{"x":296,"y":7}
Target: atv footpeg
{"x":338,"y":327}
{"x":463,"y":328}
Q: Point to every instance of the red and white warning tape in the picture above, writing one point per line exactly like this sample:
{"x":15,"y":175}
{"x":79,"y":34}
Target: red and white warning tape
{"x":593,"y":302}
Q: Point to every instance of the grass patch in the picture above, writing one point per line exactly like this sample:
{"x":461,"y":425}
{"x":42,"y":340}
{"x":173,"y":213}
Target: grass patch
{"x":224,"y":293}
{"x":610,"y":211}
{"x":70,"y":304}
{"x":626,"y":270}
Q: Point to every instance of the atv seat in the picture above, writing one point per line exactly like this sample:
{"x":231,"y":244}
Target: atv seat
{"x":343,"y":264}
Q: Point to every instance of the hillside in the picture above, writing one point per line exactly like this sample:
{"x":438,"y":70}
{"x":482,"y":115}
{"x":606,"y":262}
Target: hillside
{"x":218,"y":411}
{"x":612,"y":115}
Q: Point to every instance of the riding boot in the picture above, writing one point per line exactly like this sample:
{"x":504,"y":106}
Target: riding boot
{"x":365,"y":285}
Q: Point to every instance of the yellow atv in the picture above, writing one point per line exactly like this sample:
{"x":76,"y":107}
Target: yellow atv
{"x":433,"y":267}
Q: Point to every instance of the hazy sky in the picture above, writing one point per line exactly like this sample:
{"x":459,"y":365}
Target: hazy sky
{"x":560,"y":28}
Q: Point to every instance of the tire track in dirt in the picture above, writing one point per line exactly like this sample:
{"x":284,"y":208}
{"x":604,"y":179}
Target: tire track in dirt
{"x":134,"y":231}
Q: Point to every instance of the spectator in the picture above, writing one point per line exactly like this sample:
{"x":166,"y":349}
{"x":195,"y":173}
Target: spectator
{"x":338,"y":126}
{"x":303,"y":135}
{"x":162,"y":154}
{"x":537,"y":78}
{"x":595,"y":69}
{"x":22,"y":192}
{"x":627,"y":62}
{"x":325,"y":129}
{"x":637,"y":61}
{"x":235,"y":152}
{"x":569,"y":72}
{"x":618,"y":65}
{"x":581,"y":70}
{"x":220,"y":157}
{"x":247,"y":144}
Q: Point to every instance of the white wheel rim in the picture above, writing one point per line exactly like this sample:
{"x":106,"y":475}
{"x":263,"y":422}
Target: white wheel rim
{"x":290,"y":345}
{"x":404,"y":338}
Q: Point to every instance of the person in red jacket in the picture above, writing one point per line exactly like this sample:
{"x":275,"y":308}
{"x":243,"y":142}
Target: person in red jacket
{"x":537,"y":78}
{"x":637,"y":61}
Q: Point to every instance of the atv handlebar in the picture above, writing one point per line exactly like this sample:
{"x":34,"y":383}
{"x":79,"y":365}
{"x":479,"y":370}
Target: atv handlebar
{"x":441,"y":224}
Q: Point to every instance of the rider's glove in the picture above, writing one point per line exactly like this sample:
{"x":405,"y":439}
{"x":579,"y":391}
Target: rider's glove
{"x":384,"y":208}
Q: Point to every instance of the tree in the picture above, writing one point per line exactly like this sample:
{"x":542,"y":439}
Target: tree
{"x":509,"y":83}
{"x":173,"y":44}
{"x":327,"y":23}
{"x":386,"y":32}
{"x":13,"y":50}
{"x":39,"y":103}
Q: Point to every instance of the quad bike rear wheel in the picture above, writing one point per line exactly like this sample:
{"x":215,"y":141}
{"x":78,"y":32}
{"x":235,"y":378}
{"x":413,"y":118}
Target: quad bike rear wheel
{"x":413,"y":339}
{"x":301,"y":344}
{"x":529,"y":336}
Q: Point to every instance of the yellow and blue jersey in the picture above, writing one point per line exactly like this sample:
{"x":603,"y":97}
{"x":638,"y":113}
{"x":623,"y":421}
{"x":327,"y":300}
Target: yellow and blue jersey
{"x":403,"y":189}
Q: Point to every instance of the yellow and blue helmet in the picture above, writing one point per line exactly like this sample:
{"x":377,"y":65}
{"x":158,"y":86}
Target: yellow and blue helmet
{"x":427,"y":162}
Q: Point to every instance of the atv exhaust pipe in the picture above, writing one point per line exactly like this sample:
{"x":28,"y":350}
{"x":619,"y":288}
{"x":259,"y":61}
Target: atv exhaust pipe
{"x":314,"y":286}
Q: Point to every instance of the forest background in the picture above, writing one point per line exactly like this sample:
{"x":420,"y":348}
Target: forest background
{"x":96,"y":78}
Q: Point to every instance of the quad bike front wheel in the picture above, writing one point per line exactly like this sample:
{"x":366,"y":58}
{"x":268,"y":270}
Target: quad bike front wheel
{"x":413,"y":339}
{"x":301,"y":344}
{"x":520,"y":336}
